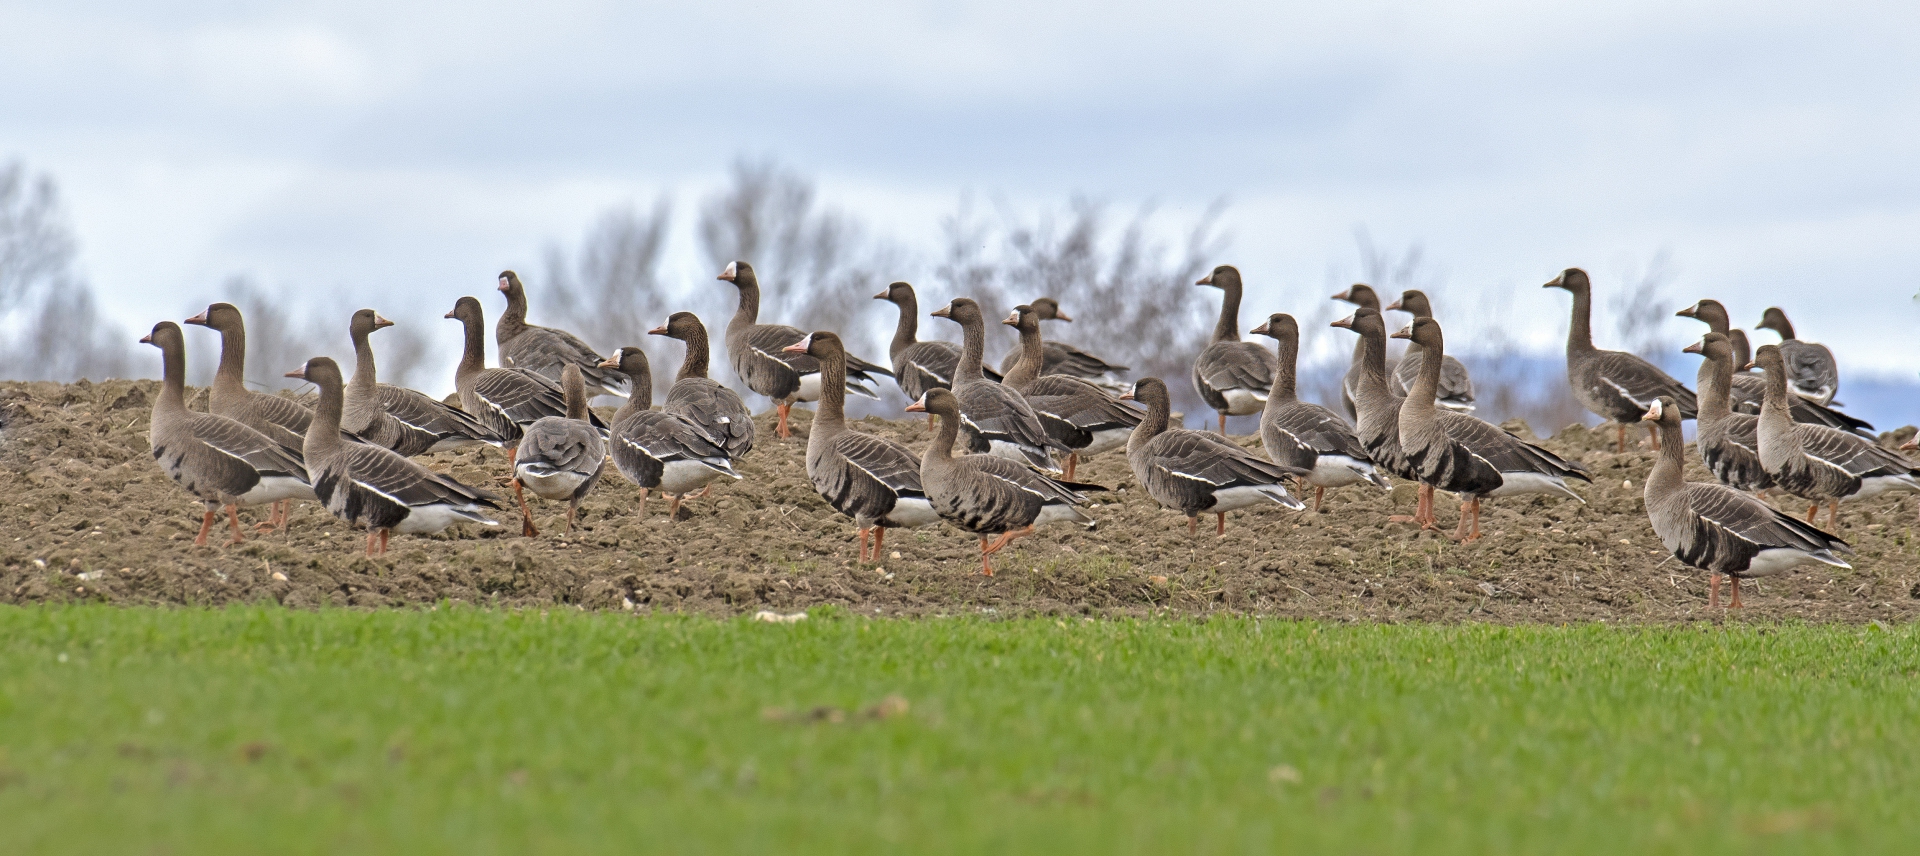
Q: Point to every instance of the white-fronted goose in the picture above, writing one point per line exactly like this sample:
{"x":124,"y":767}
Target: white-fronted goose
{"x":871,"y":479}
{"x":1463,"y":455}
{"x":1728,"y":441}
{"x":985,"y":495}
{"x":1378,"y":422}
{"x":1363,"y":296}
{"x":1818,"y":463}
{"x":374,"y":487}
{"x":995,"y":418}
{"x":1742,"y":356}
{"x":758,"y":354}
{"x":1456,"y":386}
{"x":220,"y":461}
{"x":1812,"y":372}
{"x":560,"y":457}
{"x":408,"y":422}
{"x":919,"y":366}
{"x":1064,"y":359}
{"x":282,"y":420}
{"x":505,"y":400}
{"x":545,"y":350}
{"x":1614,"y":384}
{"x":1304,"y":435}
{"x":1231,"y":376}
{"x":1747,"y":390}
{"x":1193,"y":471}
{"x":701,"y":400}
{"x":656,"y":449}
{"x":1721,"y":530}
{"x":1076,"y":413}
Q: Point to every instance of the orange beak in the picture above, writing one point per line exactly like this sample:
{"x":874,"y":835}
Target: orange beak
{"x":1393,"y":307}
{"x":1405,"y":333}
{"x":918,"y":406}
{"x":300,"y":373}
{"x":612,"y":362}
{"x":147,"y":339}
{"x":379,"y":322}
{"x":658,"y":331}
{"x":799,"y":347}
{"x":731,"y":272}
{"x":942,"y":312}
{"x":197,"y":320}
{"x":1691,"y":349}
{"x":1346,"y":322}
{"x":1260,"y":330}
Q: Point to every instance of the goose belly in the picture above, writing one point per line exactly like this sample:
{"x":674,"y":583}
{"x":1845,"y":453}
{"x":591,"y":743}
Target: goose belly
{"x":1524,"y":484}
{"x":1059,"y":512}
{"x":1234,"y":498}
{"x":1105,"y":439}
{"x":809,"y":388}
{"x":911,"y":512}
{"x":1027,"y":455}
{"x":1338,"y":471}
{"x":548,"y":483}
{"x":1779,"y":560}
{"x":680,"y":477}
{"x":276,"y":488}
{"x":428,"y":519}
{"x":1876,"y":485}
{"x":1241,"y":402}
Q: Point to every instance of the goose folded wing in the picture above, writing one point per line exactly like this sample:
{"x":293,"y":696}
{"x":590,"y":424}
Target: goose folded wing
{"x":420,"y":412}
{"x":1067,"y":359}
{"x":999,"y":413}
{"x":665,"y":437}
{"x":1318,"y":428}
{"x":885,"y":462}
{"x":1810,"y":364}
{"x":1741,"y":516}
{"x":1200,"y":457}
{"x":1455,"y":383}
{"x":1856,"y":455}
{"x":1237,"y":365}
{"x":284,"y":412}
{"x":565,"y":445}
{"x":1640,"y":382}
{"x":1014,"y":480}
{"x":409,"y":483}
{"x":241,"y":448}
{"x":1504,"y":451}
{"x":546,"y":351}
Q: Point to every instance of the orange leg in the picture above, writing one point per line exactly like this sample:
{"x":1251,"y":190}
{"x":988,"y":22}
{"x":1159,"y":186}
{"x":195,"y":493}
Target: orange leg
{"x":781,"y":430}
{"x":643,"y":502}
{"x":1622,"y":440}
{"x":1193,"y":524}
{"x":1460,"y":531}
{"x":573,"y":508}
{"x":1319,"y":493}
{"x":673,"y":506}
{"x":1223,"y":423}
{"x":1072,"y":459}
{"x":864,"y":533}
{"x":1221,"y":528}
{"x":1476,"y":522}
{"x":1713,"y":590}
{"x":526,"y":514}
{"x":372,"y":536}
{"x":1812,"y":510}
{"x":384,"y":535}
{"x":1833,"y":515}
{"x":233,"y":519}
{"x":206,"y":525}
{"x":1736,"y":592}
{"x":879,"y":538}
{"x":705,"y":490}
{"x":1654,"y":434}
{"x":986,"y":567}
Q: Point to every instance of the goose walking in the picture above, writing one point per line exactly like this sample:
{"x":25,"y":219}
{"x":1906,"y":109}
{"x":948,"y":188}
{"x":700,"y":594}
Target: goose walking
{"x":1064,"y":359}
{"x":758,"y":354}
{"x":702,"y":400}
{"x":282,"y":420}
{"x":1614,"y":384}
{"x":995,"y":418}
{"x":560,"y":457}
{"x":1231,"y":376}
{"x":1729,"y":442}
{"x":1304,"y":435}
{"x":1812,"y":372}
{"x":545,"y":351}
{"x":505,"y":400}
{"x":1362,"y":296}
{"x":1456,"y":386}
{"x":1817,"y":463}
{"x":919,"y":366}
{"x":408,"y":422}
{"x":1193,"y":471}
{"x":1076,"y":413}
{"x":1721,"y":530}
{"x":659,"y":450}
{"x":1747,"y":390}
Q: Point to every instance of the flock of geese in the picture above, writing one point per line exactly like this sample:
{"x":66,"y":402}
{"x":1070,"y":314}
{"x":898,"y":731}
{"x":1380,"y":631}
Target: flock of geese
{"x":1008,"y":442}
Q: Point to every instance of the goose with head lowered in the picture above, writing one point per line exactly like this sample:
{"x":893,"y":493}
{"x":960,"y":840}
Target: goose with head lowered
{"x":1456,"y":386}
{"x":655,"y":449}
{"x":1193,"y":472}
{"x":545,"y":351}
{"x":919,"y":366}
{"x":1463,"y":455}
{"x":994,"y":417}
{"x":1721,"y":530}
{"x":1305,"y":435}
{"x":220,"y":461}
{"x":700,"y":399}
{"x":1747,"y":390}
{"x":1813,"y":374}
{"x":758,"y":354}
{"x":1076,"y":413}
{"x":988,"y":496}
{"x":505,"y":400}
{"x":869,"y":478}
{"x":282,"y":420}
{"x":397,"y":418}
{"x":375,"y":488}
{"x":560,"y":457}
{"x":1817,"y":463}
{"x":1614,"y":384}
{"x":1060,"y":358}
{"x":1362,"y":296}
{"x":1231,"y":376}
{"x":1729,"y":442}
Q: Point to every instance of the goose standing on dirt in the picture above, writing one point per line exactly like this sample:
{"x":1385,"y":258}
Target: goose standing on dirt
{"x":995,"y":418}
{"x":866,"y":477}
{"x":375,"y":488}
{"x":1812,"y":372}
{"x":560,"y":457}
{"x":1747,"y":390}
{"x":1231,"y":376}
{"x":546,"y":350}
{"x":1456,"y":386}
{"x":282,"y":420}
{"x":1721,"y":530}
{"x":1729,"y":442}
{"x":1362,"y":296}
{"x":1304,"y":435}
{"x":504,"y":400}
{"x":1076,"y":413}
{"x":656,"y":449}
{"x":758,"y":354}
{"x":919,"y":366}
{"x":1616,"y":385}
{"x":1463,"y":455}
{"x":408,"y":422}
{"x":700,"y":399}
{"x":220,"y":461}
{"x":1818,"y":463}
{"x":1063,"y":359}
{"x":1378,"y":423}
{"x":986,"y":495}
{"x":1193,"y":471}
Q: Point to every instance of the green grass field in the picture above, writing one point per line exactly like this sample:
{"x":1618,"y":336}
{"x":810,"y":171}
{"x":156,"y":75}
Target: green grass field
{"x":265,"y":730}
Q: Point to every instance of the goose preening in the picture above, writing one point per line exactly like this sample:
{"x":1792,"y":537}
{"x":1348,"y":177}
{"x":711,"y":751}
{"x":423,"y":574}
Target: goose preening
{"x":505,"y":400}
{"x":560,"y":457}
{"x":282,"y":420}
{"x":1812,"y":372}
{"x":1062,"y":358}
{"x":1456,"y":386}
{"x":373,"y":487}
{"x":1362,"y":296}
{"x":1614,"y":384}
{"x":701,"y":400}
{"x":1378,"y":422}
{"x":218,"y":460}
{"x":919,"y":366}
{"x":1305,"y":435}
{"x":871,"y":479}
{"x":1747,"y":390}
{"x":1076,"y":413}
{"x":1193,"y":471}
{"x":758,"y":354}
{"x":656,"y":449}
{"x":1463,"y":455}
{"x":1721,"y":530}
{"x":545,"y":350}
{"x":397,"y":418}
{"x":1729,"y":442}
{"x":1817,"y":463}
{"x":1231,"y":376}
{"x":986,"y":495}
{"x":996,"y":419}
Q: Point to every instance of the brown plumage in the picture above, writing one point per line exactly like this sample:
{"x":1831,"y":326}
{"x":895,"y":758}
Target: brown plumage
{"x":1060,"y":358}
{"x":546,"y":350}
{"x":1231,"y":376}
{"x":919,"y":366}
{"x":407,"y":422}
{"x":1818,"y":463}
{"x":560,"y":457}
{"x":505,"y":400}
{"x":1747,"y":390}
{"x":702,"y":400}
{"x":758,"y":354}
{"x":1614,"y":384}
{"x":1305,"y":435}
{"x":1193,"y":472}
{"x":1456,"y":387}
{"x":282,"y":420}
{"x":1076,"y":413}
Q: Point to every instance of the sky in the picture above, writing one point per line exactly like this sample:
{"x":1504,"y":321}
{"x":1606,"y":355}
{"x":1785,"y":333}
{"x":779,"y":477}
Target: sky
{"x":407,"y":152}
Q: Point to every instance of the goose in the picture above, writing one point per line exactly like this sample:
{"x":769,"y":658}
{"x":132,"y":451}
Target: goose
{"x":505,"y":400}
{"x":397,"y":418}
{"x":546,"y":350}
{"x":1076,"y":413}
{"x":1456,"y":386}
{"x":919,"y":366}
{"x":1616,"y":385}
{"x":1362,"y":296}
{"x":1231,"y":376}
{"x":701,"y":400}
{"x":1378,"y":423}
{"x":996,"y":419}
{"x":1721,"y":530}
{"x":656,"y":449}
{"x":374,"y":487}
{"x":986,"y":495}
{"x":1193,"y":471}
{"x":1062,"y":358}
{"x":758,"y":354}
{"x":560,"y":457}
{"x":1463,"y":455}
{"x":1818,"y":463}
{"x":1305,"y":435}
{"x":218,"y":460}
{"x":282,"y":420}
{"x":1815,"y":375}
{"x":869,"y":478}
{"x":1728,"y":441}
{"x":1748,"y":389}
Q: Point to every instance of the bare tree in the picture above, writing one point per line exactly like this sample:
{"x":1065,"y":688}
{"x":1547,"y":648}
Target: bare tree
{"x":1640,"y":310}
{"x":610,"y":292}
{"x":36,"y":245}
{"x":53,"y":325}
